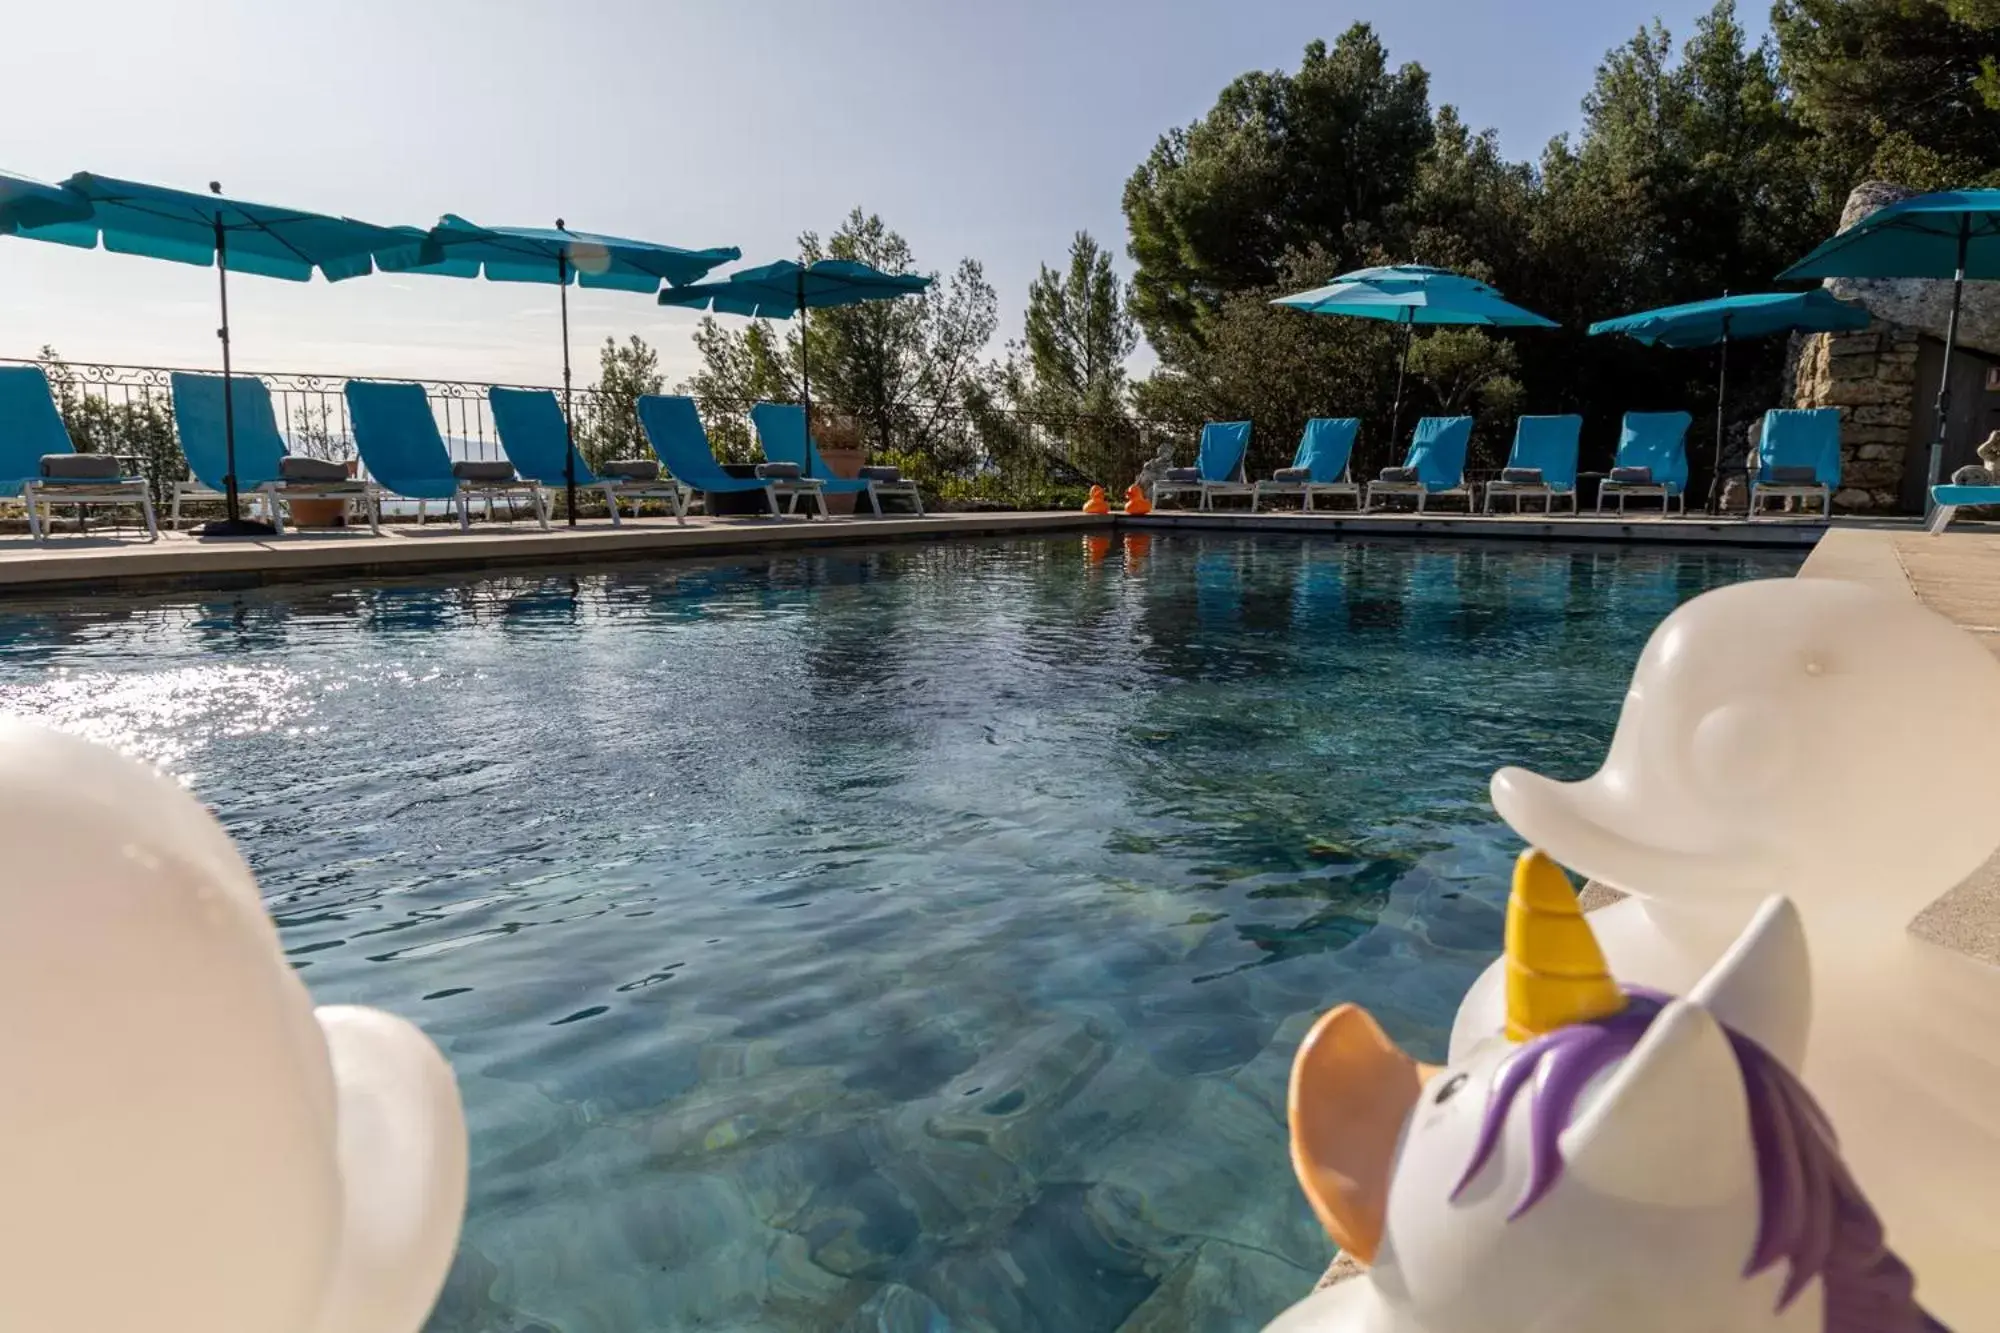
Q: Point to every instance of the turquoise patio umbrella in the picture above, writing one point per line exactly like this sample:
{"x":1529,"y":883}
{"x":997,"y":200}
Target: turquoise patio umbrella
{"x":1953,"y":234}
{"x":156,"y":222}
{"x":456,"y":248}
{"x":1413,"y":294}
{"x":785,"y":289}
{"x":30,"y":203}
{"x":1718,"y":322}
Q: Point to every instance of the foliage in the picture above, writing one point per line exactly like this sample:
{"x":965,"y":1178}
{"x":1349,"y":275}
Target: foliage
{"x":1903,"y":90}
{"x":312,"y":435}
{"x":1285,"y":164}
{"x":607,"y":426}
{"x":139,"y":428}
{"x":900,"y":369}
{"x":1069,"y":371}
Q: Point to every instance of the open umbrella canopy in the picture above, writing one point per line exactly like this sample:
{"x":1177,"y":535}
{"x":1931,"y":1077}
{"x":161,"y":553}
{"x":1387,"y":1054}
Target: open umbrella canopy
{"x":1915,"y":238}
{"x":1760,"y":315}
{"x":30,"y":203}
{"x":781,"y":290}
{"x":1414,"y":294}
{"x":153,"y":221}
{"x":456,"y":248}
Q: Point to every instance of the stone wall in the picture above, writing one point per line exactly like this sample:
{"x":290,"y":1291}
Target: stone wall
{"x":1871,"y":376}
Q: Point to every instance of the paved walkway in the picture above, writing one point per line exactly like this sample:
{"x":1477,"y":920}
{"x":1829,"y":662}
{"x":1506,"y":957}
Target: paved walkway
{"x":1958,"y":576}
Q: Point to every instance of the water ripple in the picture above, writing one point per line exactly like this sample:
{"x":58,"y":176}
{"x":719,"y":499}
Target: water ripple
{"x":882,"y":937}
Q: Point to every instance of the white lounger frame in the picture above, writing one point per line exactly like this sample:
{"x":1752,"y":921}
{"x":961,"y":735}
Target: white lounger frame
{"x":39,"y":493}
{"x":1761,"y":491}
{"x":1668,"y":495}
{"x":1418,"y":489}
{"x":275,"y":495}
{"x":1306,"y":490}
{"x":1521,"y":490}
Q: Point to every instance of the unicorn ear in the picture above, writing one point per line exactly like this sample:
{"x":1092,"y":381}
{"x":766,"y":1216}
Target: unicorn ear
{"x":1671,"y":1125}
{"x":1762,"y":987}
{"x":1352,"y":1090}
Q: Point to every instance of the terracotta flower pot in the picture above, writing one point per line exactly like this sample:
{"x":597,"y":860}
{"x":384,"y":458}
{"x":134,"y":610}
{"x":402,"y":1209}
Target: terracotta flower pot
{"x":837,"y":435}
{"x":842,"y":462}
{"x":320,"y":513}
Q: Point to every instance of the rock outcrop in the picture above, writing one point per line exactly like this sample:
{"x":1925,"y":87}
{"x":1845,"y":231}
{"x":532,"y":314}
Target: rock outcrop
{"x":1871,"y":375}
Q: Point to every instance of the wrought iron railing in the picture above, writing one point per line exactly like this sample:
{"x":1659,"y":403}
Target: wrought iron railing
{"x":128,"y":410}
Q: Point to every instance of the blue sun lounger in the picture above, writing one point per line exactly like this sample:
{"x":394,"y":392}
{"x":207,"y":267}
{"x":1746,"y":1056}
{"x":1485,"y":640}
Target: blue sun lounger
{"x":673,"y":427}
{"x":1651,"y":460}
{"x":1798,"y":457}
{"x":1218,"y":468}
{"x":405,"y":455}
{"x":1542,"y":462}
{"x":1947,"y":500}
{"x":1320,"y":467}
{"x":1435,"y":466}
{"x":535,"y":436}
{"x":781,"y":429}
{"x":39,"y":466}
{"x":264,"y":469}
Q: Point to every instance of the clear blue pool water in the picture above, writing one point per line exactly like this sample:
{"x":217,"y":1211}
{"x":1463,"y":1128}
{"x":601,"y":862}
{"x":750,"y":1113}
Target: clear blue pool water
{"x":906,"y":939}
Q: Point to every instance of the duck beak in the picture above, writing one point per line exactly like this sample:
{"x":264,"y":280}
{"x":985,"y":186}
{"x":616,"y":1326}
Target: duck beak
{"x":1604,"y":833}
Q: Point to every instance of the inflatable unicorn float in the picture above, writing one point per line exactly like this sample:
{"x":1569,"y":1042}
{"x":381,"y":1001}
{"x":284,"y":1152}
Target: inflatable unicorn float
{"x":1801,"y":766}
{"x":188,"y":1145}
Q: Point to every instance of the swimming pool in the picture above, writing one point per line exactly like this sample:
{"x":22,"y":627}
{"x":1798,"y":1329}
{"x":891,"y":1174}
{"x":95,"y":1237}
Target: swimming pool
{"x":899,"y":939}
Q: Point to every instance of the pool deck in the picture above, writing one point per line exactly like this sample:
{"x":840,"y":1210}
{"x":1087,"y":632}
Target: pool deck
{"x":1956,"y":575}
{"x":127,"y":562}
{"x":123,"y":561}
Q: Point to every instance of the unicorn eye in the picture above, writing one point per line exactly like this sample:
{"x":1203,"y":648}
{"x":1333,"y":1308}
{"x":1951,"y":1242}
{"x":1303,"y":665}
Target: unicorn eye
{"x":1449,"y":1090}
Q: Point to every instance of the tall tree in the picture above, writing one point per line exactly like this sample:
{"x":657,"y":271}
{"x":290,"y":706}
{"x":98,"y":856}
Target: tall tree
{"x":1901,"y":89}
{"x":1077,"y":336}
{"x":1284,"y":163}
{"x":609,"y":426}
{"x":1079,"y":333}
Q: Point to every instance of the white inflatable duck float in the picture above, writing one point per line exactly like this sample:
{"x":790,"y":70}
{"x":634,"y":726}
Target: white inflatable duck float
{"x":188,"y":1145}
{"x":1616,"y":1159}
{"x":1824,"y":741}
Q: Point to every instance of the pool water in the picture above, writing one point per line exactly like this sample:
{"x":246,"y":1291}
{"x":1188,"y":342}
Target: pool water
{"x":901,"y":939}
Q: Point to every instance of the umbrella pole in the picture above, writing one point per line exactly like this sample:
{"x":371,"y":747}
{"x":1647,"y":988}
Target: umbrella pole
{"x":1950,"y":347}
{"x":569,"y":414}
{"x":1402,"y":369}
{"x":805,"y":356}
{"x":1721,"y":402}
{"x":235,"y":514}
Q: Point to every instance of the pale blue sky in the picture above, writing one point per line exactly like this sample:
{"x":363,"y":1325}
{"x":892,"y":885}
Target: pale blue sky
{"x":994,"y":130}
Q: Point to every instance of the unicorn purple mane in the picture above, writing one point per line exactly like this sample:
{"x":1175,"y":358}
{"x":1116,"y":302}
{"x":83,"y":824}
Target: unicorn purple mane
{"x":1620,"y":1159}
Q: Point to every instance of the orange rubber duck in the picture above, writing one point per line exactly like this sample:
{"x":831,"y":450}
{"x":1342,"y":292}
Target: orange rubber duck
{"x":1097,"y":503}
{"x":1136,"y":503}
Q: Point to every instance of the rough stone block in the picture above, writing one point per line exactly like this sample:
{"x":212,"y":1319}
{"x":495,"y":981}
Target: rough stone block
{"x":1897,"y":415}
{"x":1873,"y":453}
{"x":1862,"y":393}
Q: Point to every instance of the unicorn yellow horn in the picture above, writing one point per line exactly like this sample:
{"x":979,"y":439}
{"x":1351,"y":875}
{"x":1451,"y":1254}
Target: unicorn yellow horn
{"x":1556,"y":974}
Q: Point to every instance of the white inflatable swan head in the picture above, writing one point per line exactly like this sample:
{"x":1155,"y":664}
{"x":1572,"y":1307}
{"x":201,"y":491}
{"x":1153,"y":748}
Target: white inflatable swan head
{"x":188,"y":1145}
{"x":1794,"y":736}
{"x":1617,"y":1159}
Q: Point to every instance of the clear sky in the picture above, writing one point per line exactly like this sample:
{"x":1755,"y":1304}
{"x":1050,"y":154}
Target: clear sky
{"x":994,"y":130}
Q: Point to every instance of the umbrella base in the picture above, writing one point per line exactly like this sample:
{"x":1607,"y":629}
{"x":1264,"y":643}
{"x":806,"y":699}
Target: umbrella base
{"x":236,"y":527}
